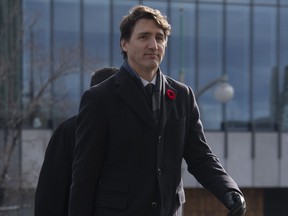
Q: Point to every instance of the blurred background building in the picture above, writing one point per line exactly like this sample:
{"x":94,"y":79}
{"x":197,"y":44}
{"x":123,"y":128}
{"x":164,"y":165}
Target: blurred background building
{"x":244,"y":40}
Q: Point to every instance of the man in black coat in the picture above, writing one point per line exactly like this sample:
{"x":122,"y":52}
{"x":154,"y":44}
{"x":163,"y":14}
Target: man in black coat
{"x":54,"y":182}
{"x":130,"y":146}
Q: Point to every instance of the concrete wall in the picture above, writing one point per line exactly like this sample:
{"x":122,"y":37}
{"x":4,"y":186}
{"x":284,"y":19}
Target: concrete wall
{"x":253,"y":161}
{"x":34,"y":145}
{"x":263,"y":169}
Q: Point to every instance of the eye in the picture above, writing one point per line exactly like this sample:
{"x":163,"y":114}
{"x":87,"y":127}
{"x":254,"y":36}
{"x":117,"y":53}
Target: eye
{"x":143,"y":37}
{"x":160,"y":38}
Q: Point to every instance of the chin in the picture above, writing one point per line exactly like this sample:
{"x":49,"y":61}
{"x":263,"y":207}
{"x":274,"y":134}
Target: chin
{"x":153,"y":67}
{"x":154,"y":64}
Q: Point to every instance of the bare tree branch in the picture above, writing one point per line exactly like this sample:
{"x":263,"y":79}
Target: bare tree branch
{"x":13,"y":111}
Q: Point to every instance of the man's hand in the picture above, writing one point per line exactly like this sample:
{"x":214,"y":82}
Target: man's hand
{"x":235,"y":203}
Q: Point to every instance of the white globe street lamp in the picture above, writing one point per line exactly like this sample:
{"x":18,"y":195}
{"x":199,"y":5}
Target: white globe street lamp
{"x":223,"y":91}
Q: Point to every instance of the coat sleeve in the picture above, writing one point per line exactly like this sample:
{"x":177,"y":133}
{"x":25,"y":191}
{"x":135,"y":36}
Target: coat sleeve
{"x":52,"y":192}
{"x":201,"y":161}
{"x":91,"y":135}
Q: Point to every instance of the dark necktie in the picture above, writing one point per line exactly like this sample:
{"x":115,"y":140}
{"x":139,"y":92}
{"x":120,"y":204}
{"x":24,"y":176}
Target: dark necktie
{"x":149,"y":89}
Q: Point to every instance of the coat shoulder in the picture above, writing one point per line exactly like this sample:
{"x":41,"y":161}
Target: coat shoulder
{"x":179,"y":86}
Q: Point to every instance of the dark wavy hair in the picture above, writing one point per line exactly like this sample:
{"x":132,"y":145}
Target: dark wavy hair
{"x":142,"y":12}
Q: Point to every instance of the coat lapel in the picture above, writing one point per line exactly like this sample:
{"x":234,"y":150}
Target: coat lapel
{"x":167,"y":103}
{"x":127,"y":88}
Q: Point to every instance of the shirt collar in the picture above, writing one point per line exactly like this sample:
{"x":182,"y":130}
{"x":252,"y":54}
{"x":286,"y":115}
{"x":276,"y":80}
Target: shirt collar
{"x":145,"y":82}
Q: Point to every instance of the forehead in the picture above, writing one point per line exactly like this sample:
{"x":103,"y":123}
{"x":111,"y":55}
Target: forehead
{"x":147,"y":26}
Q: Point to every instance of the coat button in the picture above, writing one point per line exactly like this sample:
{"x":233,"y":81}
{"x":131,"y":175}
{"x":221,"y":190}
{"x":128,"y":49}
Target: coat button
{"x":159,"y":172}
{"x":159,"y":139}
{"x":154,"y":205}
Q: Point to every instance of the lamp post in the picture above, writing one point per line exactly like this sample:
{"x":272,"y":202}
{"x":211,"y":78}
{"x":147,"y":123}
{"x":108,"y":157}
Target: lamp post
{"x":223,"y":92}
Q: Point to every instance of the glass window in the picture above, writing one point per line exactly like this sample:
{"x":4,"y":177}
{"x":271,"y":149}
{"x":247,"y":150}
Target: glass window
{"x":182,"y":43}
{"x":210,"y":67}
{"x":36,"y":63}
{"x":238,"y":1}
{"x":66,"y":53}
{"x":211,"y":1}
{"x":264,"y":74}
{"x":96,"y":36}
{"x":237,"y":66}
{"x":227,"y":1}
{"x":265,"y":1}
{"x":284,"y":2}
{"x":283,"y":67}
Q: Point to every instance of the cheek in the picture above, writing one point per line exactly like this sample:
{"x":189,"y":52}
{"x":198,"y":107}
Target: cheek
{"x":162,"y":48}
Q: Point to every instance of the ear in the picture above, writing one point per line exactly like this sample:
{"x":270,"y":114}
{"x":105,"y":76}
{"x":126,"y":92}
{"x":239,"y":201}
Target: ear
{"x":123,"y":45}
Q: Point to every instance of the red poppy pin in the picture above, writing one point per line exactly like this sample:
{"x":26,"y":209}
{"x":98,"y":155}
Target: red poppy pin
{"x":170,"y":94}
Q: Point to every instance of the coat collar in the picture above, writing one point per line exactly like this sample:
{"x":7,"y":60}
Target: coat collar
{"x":130,"y":89}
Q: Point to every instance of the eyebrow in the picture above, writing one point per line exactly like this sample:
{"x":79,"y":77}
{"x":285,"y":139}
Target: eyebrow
{"x":149,"y":33}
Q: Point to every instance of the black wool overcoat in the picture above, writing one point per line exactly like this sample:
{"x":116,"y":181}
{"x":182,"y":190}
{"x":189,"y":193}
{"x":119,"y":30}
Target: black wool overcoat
{"x":53,"y":188}
{"x":125,"y":164}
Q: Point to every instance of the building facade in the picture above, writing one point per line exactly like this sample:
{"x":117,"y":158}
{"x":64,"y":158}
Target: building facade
{"x":247,"y":40}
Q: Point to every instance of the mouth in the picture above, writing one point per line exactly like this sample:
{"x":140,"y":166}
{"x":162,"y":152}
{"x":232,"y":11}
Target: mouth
{"x":151,"y":55}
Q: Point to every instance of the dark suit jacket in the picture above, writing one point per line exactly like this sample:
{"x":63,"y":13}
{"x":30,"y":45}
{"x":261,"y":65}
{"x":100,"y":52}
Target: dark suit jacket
{"x":127,"y":166}
{"x":52,"y":193}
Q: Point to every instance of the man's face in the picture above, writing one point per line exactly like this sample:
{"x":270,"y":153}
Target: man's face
{"x":146,"y":47}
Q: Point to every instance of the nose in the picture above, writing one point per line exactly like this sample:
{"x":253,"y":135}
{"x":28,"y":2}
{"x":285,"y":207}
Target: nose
{"x":153,"y":43}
